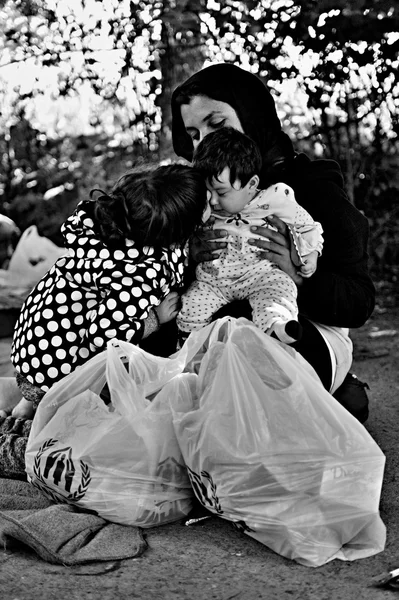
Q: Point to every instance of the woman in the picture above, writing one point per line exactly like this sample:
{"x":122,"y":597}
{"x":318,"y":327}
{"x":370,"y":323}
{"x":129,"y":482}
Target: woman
{"x":341,"y":294}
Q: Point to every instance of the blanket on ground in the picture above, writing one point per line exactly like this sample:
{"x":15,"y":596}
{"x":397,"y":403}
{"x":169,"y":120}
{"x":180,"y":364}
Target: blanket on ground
{"x":58,"y":533}
{"x":61,"y":533}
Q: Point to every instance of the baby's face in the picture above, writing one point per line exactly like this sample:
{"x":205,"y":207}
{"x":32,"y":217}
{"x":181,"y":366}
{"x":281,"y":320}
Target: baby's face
{"x":230,"y":197}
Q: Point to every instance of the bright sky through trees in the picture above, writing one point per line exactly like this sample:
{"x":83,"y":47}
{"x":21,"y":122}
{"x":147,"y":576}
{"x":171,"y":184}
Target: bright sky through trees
{"x":81,"y":30}
{"x":58,"y":115}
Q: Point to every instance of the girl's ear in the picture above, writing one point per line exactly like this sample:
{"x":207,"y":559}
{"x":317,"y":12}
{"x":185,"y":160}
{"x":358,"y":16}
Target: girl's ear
{"x":254,"y":182}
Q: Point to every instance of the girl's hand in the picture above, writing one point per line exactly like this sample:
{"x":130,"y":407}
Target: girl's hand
{"x":276,"y":247}
{"x":169,"y":307}
{"x":207,"y":243}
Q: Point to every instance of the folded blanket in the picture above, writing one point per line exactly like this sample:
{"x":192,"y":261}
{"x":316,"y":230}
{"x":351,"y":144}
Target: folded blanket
{"x":61,"y":533}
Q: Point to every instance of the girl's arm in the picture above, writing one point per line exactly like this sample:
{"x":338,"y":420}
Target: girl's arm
{"x":128,"y":295}
{"x":163,"y":313}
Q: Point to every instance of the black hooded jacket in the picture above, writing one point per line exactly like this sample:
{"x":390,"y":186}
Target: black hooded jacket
{"x":341,"y":292}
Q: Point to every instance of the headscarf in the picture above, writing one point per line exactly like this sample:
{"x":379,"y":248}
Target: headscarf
{"x":253,"y":103}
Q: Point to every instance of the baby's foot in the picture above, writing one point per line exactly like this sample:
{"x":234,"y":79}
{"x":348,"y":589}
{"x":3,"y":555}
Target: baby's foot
{"x":23,"y":410}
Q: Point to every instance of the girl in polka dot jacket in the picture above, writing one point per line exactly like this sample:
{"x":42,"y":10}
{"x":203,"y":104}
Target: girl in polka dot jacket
{"x":120,"y":278}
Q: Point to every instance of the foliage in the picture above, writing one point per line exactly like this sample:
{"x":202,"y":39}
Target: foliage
{"x":332,"y":66}
{"x":65,"y":173}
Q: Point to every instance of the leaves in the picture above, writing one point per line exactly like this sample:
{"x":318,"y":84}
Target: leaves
{"x":343,"y":58}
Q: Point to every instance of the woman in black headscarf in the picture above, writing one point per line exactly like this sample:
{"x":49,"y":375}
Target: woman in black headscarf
{"x":341,"y":294}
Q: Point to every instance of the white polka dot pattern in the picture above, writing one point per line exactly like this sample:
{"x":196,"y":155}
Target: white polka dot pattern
{"x":93,"y":295}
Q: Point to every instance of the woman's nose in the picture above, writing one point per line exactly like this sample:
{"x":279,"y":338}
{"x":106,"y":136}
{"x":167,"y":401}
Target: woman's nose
{"x":200,"y":136}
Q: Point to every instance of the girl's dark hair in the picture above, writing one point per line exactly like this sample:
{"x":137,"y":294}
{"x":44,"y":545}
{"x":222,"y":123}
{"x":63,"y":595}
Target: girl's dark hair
{"x":156,"y":207}
{"x":230,"y":148}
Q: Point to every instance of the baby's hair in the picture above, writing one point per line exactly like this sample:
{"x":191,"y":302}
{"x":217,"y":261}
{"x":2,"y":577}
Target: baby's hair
{"x":230,"y":148}
{"x":154,"y":206}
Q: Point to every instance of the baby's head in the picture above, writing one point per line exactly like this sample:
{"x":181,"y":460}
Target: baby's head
{"x":230,"y":162}
{"x":157,"y":207}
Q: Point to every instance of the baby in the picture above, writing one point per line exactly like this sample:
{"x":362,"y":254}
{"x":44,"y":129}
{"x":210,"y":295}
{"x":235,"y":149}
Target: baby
{"x":230,"y":162}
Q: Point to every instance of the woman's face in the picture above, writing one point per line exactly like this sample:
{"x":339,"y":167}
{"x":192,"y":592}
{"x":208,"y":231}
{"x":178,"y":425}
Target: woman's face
{"x":204,"y":115}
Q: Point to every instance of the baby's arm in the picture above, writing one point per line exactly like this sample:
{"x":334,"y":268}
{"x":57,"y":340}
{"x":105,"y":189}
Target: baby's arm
{"x":310,"y":264}
{"x":306,"y":233}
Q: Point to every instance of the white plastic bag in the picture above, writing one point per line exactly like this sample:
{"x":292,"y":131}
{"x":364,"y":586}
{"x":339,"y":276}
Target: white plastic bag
{"x":269,"y":449}
{"x":33,"y":256}
{"x":121,"y":460}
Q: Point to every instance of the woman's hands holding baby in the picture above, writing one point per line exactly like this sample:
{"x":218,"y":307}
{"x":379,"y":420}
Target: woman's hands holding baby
{"x":207,"y":243}
{"x":276,"y":247}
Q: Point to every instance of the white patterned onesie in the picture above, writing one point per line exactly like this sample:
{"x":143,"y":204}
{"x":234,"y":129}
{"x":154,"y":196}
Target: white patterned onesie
{"x":240,"y":273}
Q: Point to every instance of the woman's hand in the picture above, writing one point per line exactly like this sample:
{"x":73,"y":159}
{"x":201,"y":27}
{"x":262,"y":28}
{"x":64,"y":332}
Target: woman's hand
{"x":169,"y":307}
{"x":276,"y":247}
{"x":207,"y":243}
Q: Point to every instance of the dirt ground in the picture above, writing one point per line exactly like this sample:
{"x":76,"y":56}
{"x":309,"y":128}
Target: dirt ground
{"x":216,"y":561}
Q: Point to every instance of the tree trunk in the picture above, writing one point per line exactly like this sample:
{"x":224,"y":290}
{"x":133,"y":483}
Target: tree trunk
{"x":179,"y":57}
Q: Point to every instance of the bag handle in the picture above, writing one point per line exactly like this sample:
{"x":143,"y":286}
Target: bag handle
{"x":133,"y":375}
{"x":126,"y":396}
{"x":218,"y":331}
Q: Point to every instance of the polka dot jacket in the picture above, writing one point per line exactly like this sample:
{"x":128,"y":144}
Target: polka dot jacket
{"x":91,"y":295}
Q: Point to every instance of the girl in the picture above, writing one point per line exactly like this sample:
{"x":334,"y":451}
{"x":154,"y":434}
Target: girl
{"x":120,"y":278}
